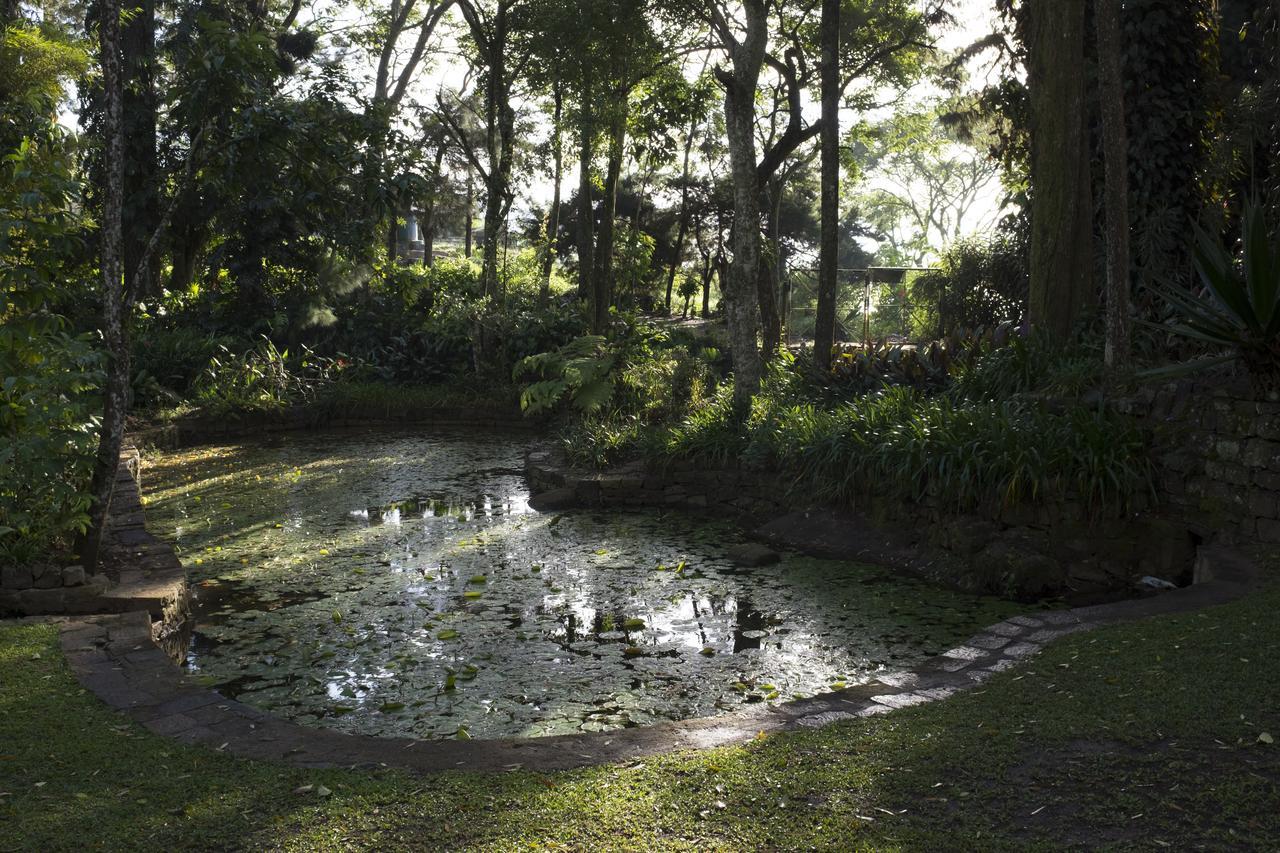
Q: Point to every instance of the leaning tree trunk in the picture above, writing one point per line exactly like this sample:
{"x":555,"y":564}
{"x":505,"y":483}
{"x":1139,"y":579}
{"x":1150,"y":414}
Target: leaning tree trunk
{"x":824,"y":334}
{"x":741,"y":303}
{"x":1115,"y":144}
{"x":1061,"y":201}
{"x":114,"y":306}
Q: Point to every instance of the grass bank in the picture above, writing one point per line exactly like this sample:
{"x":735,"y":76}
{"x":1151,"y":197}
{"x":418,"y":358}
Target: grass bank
{"x":1154,"y":735}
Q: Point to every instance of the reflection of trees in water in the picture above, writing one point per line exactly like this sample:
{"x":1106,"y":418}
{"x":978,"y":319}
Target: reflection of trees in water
{"x":747,"y":618}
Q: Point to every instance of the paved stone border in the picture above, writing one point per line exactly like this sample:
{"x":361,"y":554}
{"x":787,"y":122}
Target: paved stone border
{"x":114,"y":656}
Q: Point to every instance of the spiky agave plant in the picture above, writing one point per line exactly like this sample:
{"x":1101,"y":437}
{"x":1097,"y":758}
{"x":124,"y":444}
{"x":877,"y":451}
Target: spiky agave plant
{"x":1240,"y":309}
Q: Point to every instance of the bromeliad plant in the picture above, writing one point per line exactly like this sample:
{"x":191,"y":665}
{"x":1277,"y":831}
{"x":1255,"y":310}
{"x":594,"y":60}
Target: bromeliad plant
{"x":1241,"y":308}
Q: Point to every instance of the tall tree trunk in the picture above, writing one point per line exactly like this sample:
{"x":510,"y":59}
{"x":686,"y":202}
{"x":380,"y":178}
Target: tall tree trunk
{"x":468,"y":226}
{"x":824,"y":333}
{"x":553,"y":214}
{"x":740,"y":297}
{"x":586,"y":215}
{"x":706,"y":286}
{"x":604,"y":284}
{"x":497,"y":144}
{"x":1115,"y":144}
{"x":770,"y":271}
{"x":114,"y":301}
{"x":428,"y":223}
{"x":141,"y":170}
{"x":682,"y":229}
{"x":1061,"y":197}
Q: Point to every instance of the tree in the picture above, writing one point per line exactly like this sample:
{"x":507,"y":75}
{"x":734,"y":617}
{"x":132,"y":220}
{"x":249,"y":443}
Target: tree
{"x":490,"y":27}
{"x":1115,"y":144}
{"x":115,"y":307}
{"x":924,"y":184}
{"x":746,"y":52}
{"x":1061,"y":194}
{"x":828,"y":254}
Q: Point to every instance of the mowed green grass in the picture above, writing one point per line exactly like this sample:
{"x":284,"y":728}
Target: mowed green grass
{"x":1149,"y":736}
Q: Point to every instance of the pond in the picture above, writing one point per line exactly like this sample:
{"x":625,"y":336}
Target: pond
{"x":396,"y":582}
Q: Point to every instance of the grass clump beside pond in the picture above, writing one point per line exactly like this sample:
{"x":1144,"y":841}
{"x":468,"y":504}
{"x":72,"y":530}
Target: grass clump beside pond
{"x":1148,"y":735}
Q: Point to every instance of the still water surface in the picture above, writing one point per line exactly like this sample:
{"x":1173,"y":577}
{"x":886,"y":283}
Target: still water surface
{"x":397,"y":583}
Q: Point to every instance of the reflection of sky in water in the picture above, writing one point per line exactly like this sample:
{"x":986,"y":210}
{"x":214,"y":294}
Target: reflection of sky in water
{"x":398,"y":583}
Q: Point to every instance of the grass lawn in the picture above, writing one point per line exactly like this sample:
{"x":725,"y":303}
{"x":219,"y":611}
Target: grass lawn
{"x":1152,"y":735}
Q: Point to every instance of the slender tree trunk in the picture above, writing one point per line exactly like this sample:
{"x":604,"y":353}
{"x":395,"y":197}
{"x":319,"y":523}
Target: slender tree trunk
{"x":114,"y":302}
{"x":1061,"y":196}
{"x":682,"y":228}
{"x":553,"y":215}
{"x":1115,"y":143}
{"x":706,"y":286}
{"x":468,"y":234}
{"x":141,"y":170}
{"x":770,"y":267}
{"x":604,"y":284}
{"x":586,"y":217}
{"x":499,"y":130}
{"x":824,"y":334}
{"x":429,"y":211}
{"x":740,"y":291}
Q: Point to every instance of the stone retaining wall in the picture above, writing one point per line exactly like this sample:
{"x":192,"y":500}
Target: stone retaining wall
{"x":202,"y":429}
{"x":144,"y":572}
{"x":1217,"y":459}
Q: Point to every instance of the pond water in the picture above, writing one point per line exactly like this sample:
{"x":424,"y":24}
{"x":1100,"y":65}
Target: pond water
{"x":397,"y":583}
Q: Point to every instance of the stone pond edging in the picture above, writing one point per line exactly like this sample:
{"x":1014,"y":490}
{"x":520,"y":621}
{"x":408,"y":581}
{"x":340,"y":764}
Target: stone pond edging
{"x":149,"y":576}
{"x":191,"y":430}
{"x":117,"y":659}
{"x":1019,"y":552}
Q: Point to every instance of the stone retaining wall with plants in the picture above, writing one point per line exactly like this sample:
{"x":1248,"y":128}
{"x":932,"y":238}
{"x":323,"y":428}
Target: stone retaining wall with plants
{"x":1217,"y":457}
{"x":1216,"y":454}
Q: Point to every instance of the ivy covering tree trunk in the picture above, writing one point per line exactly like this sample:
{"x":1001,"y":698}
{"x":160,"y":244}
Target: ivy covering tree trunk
{"x":114,"y":304}
{"x":1062,"y":256}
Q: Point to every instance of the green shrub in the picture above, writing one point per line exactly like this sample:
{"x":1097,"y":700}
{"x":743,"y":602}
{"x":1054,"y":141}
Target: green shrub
{"x":167,"y":362}
{"x":978,"y":283}
{"x":263,"y":378}
{"x":903,"y":444}
{"x":49,"y":419}
{"x":966,"y":454}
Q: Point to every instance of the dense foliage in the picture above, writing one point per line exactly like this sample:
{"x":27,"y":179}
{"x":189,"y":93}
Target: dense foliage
{"x":311,"y":219}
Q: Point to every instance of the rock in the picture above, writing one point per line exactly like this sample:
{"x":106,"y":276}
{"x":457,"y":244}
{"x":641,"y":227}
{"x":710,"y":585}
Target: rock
{"x":73,"y":576}
{"x":16,"y":577}
{"x":553,"y":500}
{"x":753,"y":554}
{"x":49,"y":578}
